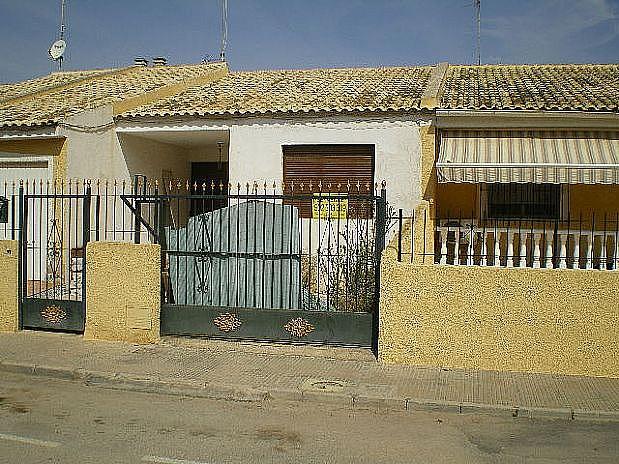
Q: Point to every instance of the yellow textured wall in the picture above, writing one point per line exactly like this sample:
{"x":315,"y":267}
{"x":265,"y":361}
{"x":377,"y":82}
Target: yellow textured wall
{"x":123,"y":292}
{"x":427,"y":172}
{"x":425,"y":208}
{"x":601,"y":198}
{"x":33,"y":147}
{"x":453,"y":200}
{"x":60,"y":163}
{"x":529,"y":320}
{"x":8,"y":286}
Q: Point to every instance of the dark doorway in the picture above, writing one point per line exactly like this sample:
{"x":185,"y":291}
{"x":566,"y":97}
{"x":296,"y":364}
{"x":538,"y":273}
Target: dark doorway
{"x":211,"y":178}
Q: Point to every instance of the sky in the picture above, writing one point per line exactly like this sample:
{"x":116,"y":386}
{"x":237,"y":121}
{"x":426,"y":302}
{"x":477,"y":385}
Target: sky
{"x":279,"y":34}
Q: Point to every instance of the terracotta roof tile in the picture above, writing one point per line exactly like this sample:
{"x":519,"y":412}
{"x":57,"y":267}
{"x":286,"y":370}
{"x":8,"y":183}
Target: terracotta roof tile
{"x":66,"y":101}
{"x":298,"y":91}
{"x":19,"y":89}
{"x":532,"y":87}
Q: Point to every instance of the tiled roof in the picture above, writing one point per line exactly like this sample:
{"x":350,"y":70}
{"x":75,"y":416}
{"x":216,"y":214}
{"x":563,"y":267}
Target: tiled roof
{"x":298,"y":91}
{"x":532,"y":87}
{"x":66,"y":100}
{"x":50,"y":99}
{"x":19,"y":89}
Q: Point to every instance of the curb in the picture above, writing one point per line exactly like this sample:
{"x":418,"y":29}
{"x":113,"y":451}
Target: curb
{"x":126,"y":382}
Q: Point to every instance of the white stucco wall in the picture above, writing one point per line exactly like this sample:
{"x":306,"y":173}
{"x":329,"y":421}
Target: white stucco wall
{"x":96,"y":151}
{"x":255,"y":150}
{"x":150,"y":157}
{"x":90,"y":145}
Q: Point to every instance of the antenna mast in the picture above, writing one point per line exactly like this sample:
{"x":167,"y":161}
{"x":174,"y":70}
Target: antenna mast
{"x":224,"y":29}
{"x":56,"y":51}
{"x":62,"y":30}
{"x":477,"y":5}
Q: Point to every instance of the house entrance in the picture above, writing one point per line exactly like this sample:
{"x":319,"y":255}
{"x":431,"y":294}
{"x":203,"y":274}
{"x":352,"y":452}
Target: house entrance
{"x":299,"y":267}
{"x":209,"y":177}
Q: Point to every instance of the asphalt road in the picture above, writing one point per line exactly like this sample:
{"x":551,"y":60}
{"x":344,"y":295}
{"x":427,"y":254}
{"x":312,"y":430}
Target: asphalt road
{"x":54,"y":421}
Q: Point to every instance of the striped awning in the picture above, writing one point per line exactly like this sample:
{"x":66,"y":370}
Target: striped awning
{"x":540,"y":157}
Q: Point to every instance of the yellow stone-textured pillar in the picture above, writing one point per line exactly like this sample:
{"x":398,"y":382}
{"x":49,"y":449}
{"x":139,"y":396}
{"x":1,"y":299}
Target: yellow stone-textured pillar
{"x":123,"y":292}
{"x":427,"y":173}
{"x":424,"y":223}
{"x":9,"y":303}
{"x":423,"y":233}
{"x":60,"y":164}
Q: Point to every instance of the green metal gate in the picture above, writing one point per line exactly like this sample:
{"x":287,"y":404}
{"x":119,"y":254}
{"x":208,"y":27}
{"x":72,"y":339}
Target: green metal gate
{"x":54,"y":228}
{"x":301,"y":267}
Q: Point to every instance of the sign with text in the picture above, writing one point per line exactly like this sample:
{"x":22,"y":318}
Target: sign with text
{"x":329,"y":207}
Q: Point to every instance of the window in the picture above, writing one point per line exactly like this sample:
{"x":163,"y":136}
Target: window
{"x":523,"y":201}
{"x":329,"y":164}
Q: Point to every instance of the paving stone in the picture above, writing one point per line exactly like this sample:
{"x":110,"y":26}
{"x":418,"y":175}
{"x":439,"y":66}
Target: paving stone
{"x":255,"y":372}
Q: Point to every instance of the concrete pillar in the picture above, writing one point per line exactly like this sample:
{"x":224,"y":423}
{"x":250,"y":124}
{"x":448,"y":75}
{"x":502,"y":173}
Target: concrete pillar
{"x":9,"y":303}
{"x":123,"y":292}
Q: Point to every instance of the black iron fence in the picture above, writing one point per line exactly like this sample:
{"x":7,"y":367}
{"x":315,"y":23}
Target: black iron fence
{"x":314,"y":247}
{"x":53,"y":222}
{"x":584,"y":241}
{"x":268,"y":246}
{"x":110,"y":219}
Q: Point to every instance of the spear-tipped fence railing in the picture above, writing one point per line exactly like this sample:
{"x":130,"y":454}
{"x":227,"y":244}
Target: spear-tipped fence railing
{"x":586,"y":240}
{"x":301,"y":245}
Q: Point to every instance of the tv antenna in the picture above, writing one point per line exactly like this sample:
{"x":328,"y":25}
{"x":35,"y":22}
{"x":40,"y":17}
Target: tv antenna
{"x":477,"y":6}
{"x":57,"y":49}
{"x":224,"y":29}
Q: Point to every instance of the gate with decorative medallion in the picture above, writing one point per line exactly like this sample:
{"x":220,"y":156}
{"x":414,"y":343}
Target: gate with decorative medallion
{"x":300,"y":264}
{"x":54,"y":228}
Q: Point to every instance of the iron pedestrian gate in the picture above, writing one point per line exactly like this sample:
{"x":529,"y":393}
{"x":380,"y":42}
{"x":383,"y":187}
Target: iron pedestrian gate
{"x":299,"y":266}
{"x":54,"y":228}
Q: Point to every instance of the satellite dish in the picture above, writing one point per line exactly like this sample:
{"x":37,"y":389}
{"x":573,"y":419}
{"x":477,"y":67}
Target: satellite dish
{"x":57,"y":49}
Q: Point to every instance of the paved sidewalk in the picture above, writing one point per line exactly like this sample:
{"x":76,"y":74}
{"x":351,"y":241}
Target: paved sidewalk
{"x":351,"y":377}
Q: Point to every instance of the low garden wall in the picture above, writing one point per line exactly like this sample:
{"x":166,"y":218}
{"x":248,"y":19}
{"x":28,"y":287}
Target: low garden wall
{"x":123,"y":293}
{"x":507,"y":319}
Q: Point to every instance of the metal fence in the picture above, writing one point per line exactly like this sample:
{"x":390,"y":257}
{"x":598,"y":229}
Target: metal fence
{"x":586,"y":241}
{"x":110,"y":219}
{"x":269,"y":246}
{"x":314,"y":247}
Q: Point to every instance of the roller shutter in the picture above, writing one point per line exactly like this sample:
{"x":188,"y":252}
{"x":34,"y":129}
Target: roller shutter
{"x":330,"y":165}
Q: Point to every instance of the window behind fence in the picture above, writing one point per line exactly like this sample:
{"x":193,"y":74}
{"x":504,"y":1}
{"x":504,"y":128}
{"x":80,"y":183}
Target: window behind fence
{"x":309,"y":169}
{"x":523,"y":201}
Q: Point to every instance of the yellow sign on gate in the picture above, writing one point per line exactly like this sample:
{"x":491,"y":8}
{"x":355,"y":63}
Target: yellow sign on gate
{"x":334,"y":206}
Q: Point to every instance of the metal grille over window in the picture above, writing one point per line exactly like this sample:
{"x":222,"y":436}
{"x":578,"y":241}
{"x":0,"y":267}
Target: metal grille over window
{"x":4,"y":210}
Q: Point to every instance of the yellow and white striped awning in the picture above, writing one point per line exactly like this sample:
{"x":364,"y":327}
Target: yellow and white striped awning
{"x":554,"y":157}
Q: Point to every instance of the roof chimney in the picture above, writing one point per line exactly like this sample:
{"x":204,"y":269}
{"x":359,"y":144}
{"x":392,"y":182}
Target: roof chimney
{"x":140,"y":61}
{"x":160,"y":61}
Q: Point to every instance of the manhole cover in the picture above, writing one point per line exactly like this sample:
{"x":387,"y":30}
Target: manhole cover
{"x":325,"y":385}
{"x":328,"y":385}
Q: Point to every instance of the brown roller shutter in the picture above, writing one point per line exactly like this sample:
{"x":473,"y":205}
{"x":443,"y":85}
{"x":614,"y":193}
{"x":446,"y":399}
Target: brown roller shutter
{"x":330,"y":165}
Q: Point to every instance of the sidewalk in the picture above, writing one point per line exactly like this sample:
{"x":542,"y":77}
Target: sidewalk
{"x":347,"y":377}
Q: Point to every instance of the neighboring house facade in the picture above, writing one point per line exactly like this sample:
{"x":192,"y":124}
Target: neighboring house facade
{"x":64,"y":121}
{"x":528,"y":166}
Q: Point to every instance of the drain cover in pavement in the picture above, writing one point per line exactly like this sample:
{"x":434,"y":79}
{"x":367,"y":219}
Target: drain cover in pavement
{"x":325,"y":385}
